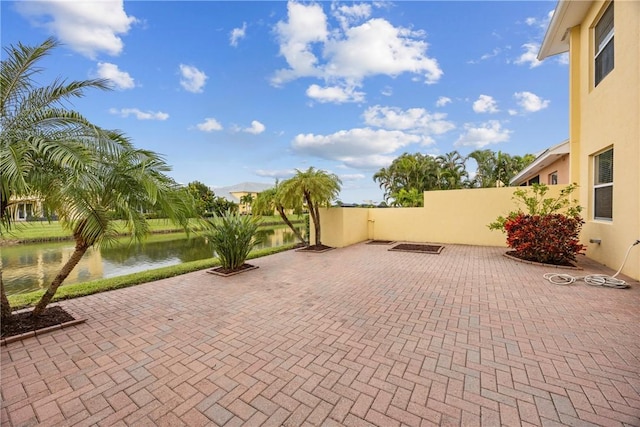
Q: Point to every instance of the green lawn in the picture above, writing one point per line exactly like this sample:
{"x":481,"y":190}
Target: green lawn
{"x":43,"y":230}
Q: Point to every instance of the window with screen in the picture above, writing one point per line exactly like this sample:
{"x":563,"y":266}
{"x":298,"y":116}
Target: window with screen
{"x":603,"y":186}
{"x":604,"y":54}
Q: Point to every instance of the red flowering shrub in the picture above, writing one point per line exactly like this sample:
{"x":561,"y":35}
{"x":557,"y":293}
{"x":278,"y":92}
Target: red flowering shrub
{"x":549,"y":239}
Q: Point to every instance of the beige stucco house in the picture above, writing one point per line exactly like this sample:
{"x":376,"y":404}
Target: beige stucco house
{"x":236,"y":193}
{"x":551,"y":167}
{"x":602,"y":39}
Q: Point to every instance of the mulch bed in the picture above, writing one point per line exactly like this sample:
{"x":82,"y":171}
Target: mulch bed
{"x":23,"y":322}
{"x":517,"y":257}
{"x":413,"y":247}
{"x":221,"y":271}
{"x":315,"y":248}
{"x":380,"y":242}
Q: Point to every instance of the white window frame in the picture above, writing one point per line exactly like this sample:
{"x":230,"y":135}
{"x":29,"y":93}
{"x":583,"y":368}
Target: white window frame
{"x":602,"y":45}
{"x":551,"y":176}
{"x":597,"y":185}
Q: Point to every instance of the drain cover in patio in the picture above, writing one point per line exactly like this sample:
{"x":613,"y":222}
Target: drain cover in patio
{"x":380,"y":242}
{"x":413,"y":247}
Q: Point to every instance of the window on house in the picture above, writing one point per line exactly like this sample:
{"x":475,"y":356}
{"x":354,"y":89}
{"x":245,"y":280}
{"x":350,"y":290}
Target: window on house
{"x":553,"y":178}
{"x":603,"y":186}
{"x":604,"y":45}
{"x":534,"y":180}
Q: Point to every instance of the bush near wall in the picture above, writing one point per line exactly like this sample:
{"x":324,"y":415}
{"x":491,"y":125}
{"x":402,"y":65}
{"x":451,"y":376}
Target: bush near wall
{"x":549,"y":239}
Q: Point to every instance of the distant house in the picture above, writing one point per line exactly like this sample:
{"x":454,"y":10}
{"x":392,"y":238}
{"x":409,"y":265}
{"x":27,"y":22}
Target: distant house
{"x":25,"y":208}
{"x":550,"y":167}
{"x":235,"y":193}
{"x":601,"y":38}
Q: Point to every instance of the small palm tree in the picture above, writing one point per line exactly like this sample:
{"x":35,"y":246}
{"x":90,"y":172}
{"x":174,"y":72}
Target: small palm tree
{"x":269,"y":201}
{"x":119,"y":185}
{"x":315,"y":188}
{"x":39,"y":134}
{"x":85,"y":174}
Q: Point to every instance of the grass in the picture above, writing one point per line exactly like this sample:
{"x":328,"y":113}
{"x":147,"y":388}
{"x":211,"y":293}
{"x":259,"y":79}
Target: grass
{"x":43,"y":230}
{"x":29,"y":299}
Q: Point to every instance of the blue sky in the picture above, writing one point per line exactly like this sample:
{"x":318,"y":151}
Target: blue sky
{"x":249,"y":91}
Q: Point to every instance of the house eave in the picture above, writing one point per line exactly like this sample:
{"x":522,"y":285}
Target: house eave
{"x":546,"y":158}
{"x":568,"y":14}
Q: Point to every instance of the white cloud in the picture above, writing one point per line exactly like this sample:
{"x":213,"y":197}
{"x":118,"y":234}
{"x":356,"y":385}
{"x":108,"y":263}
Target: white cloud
{"x":209,"y":125}
{"x":495,"y":52}
{"x":357,"y":148}
{"x":348,"y":15}
{"x":530,"y":55}
{"x":530,"y":102}
{"x":334,"y":94}
{"x":563,"y":58}
{"x":121,"y":79}
{"x":485,"y":104}
{"x":237,"y":34}
{"x":416,"y":120}
{"x":512,"y":112}
{"x":276,"y":173}
{"x":256,"y":128}
{"x":351,"y":53}
{"x":87,"y":27}
{"x":192,"y":80}
{"x":442,"y":101}
{"x":387,"y":91}
{"x":351,"y":176}
{"x":139,"y":114}
{"x":487,"y":133}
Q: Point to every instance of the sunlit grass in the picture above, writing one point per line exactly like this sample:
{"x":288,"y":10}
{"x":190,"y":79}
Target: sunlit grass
{"x":44,"y":230}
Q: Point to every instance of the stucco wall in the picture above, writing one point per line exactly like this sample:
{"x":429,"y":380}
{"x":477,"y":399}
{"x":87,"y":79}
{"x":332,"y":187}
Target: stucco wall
{"x":455,"y":216}
{"x":607,"y":116}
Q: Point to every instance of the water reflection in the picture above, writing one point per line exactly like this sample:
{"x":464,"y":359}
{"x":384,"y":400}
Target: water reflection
{"x":33,"y":266}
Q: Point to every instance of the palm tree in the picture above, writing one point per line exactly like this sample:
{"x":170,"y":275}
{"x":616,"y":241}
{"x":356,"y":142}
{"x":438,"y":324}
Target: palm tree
{"x":269,"y":201}
{"x":38,"y":133}
{"x":316,"y":188}
{"x":85,"y":174}
{"x":120,"y":185}
{"x":246,"y":200}
{"x":452,"y":171}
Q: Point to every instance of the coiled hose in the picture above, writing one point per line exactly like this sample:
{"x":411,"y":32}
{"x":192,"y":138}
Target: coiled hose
{"x":593,"y":279}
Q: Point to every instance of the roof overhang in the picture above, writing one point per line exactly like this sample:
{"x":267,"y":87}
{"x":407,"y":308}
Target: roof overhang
{"x":568,"y":14}
{"x":546,"y":158}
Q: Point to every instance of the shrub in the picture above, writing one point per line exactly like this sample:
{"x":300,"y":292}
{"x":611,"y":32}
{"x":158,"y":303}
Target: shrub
{"x":548,"y":232}
{"x":550,"y":239}
{"x":232,"y":237}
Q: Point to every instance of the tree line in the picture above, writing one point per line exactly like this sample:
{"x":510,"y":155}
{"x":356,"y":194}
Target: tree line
{"x":409,"y":175}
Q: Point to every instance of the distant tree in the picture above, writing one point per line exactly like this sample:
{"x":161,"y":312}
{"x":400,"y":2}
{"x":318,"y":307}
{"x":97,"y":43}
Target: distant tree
{"x":246,"y":200}
{"x":204,"y":197}
{"x":452,"y":173}
{"x":316,"y":188}
{"x":221,"y":206}
{"x":417,"y":171}
{"x":411,"y":198}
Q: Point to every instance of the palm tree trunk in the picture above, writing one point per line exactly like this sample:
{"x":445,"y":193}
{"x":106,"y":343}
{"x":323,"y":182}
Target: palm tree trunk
{"x":280,"y":210}
{"x":78,"y":253}
{"x":317,"y":227}
{"x":315,"y":216}
{"x":6,"y":307}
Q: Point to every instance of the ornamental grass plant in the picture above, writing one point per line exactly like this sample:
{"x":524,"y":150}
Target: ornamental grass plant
{"x":232,"y":237}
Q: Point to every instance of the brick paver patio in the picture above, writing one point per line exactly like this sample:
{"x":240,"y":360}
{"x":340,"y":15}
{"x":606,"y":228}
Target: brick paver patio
{"x":355,"y":336}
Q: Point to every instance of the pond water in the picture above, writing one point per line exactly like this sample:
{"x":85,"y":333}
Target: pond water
{"x":30,"y":267}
